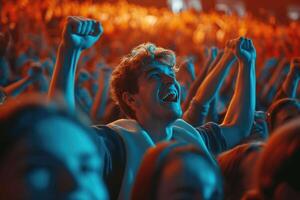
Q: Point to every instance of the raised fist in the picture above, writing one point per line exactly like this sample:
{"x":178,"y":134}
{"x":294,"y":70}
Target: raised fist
{"x":81,"y":33}
{"x":243,"y":48}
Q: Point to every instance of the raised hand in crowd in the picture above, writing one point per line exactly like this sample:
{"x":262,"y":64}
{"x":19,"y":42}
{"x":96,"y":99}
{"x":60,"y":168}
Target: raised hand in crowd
{"x":240,"y":113}
{"x":290,"y":84}
{"x":209,"y":88}
{"x":79,"y":33}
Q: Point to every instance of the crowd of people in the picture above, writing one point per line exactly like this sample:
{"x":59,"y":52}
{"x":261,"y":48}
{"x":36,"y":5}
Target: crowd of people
{"x":118,"y":101}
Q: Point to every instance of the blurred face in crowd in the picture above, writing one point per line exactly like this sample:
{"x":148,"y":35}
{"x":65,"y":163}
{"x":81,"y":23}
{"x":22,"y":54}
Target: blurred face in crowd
{"x":159,"y":94}
{"x":57,"y":160}
{"x":190,"y":177}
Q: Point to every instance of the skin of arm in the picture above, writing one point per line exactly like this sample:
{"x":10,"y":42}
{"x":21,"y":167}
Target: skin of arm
{"x":211,"y":85}
{"x":271,"y":87}
{"x":79,"y":34}
{"x":290,"y":84}
{"x":240,"y":114}
{"x":211,"y":61}
{"x":33,"y":76}
{"x":99,"y":105}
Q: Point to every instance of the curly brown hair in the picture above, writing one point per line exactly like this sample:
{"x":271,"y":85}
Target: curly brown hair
{"x":125,"y":76}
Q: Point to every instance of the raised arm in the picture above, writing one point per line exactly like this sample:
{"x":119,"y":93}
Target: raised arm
{"x":33,"y":76}
{"x":240,"y":114}
{"x":198,"y":108}
{"x":210,"y":61}
{"x":269,"y":91}
{"x":78,"y":34}
{"x":99,"y":105}
{"x":290,"y":84}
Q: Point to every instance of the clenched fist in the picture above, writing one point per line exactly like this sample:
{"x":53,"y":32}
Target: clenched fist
{"x":81,"y":33}
{"x":243,"y":48}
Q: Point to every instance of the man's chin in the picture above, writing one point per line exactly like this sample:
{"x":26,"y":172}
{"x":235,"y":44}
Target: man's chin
{"x":175,"y":115}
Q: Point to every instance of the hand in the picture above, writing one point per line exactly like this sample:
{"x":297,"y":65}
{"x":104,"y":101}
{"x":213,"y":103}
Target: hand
{"x":81,"y":33}
{"x":213,"y":52}
{"x":243,"y":49}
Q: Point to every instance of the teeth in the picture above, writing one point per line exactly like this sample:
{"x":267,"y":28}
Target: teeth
{"x":170,"y":96}
{"x":170,"y":93}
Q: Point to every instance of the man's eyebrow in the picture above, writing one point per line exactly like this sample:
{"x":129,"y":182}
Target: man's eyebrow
{"x":154,"y":69}
{"x":148,"y":71}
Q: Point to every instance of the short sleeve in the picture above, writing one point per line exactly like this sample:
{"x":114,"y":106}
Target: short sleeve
{"x":213,"y":137}
{"x":114,"y":160}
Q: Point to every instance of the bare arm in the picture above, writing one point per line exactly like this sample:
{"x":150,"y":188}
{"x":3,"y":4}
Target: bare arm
{"x":211,"y":60}
{"x":290,"y":84}
{"x":208,"y":90}
{"x":78,"y":34}
{"x":33,"y":76}
{"x":240,"y":114}
{"x":272,"y":85}
{"x":99,"y":105}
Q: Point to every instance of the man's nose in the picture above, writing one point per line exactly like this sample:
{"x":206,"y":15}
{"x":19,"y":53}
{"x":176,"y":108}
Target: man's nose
{"x":168,"y":78}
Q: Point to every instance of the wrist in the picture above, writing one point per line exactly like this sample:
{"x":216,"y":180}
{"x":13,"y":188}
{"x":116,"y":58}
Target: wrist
{"x":69,"y":47}
{"x":293,"y":75}
{"x":248,"y":63}
{"x":228,"y":58}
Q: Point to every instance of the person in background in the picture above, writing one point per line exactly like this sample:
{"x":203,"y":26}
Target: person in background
{"x":177,"y":171}
{"x":48,"y":153}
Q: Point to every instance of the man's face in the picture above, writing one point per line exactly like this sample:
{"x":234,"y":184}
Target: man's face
{"x":159,"y":94}
{"x":58,"y":161}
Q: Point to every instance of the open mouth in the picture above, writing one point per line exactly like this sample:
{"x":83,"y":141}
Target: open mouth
{"x":171,"y":96}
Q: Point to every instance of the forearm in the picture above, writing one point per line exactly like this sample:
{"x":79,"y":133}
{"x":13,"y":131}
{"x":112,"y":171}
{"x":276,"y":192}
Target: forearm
{"x":193,"y":90}
{"x":240,"y":113}
{"x":273,"y":84}
{"x":198,"y":110}
{"x":212,"y":83}
{"x":18,"y":87}
{"x":290,"y":85}
{"x":63,"y":78}
{"x":98,"y":108}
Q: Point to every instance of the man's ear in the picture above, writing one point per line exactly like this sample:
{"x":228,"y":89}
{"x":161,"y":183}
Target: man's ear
{"x":130,"y":100}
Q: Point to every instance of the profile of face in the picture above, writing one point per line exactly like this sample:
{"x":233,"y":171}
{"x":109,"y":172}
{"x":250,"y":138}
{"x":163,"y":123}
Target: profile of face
{"x":158,"y":94}
{"x":188,"y":177}
{"x":57,"y":160}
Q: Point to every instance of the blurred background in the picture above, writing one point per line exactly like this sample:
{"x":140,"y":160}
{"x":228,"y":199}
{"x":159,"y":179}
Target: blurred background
{"x":189,"y":27}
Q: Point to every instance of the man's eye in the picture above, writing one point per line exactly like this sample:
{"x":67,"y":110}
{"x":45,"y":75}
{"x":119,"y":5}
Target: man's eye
{"x":154,"y":75}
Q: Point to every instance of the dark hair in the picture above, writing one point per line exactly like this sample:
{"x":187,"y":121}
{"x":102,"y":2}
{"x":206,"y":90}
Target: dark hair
{"x":276,"y":107}
{"x":279,"y":162}
{"x":17,"y":120}
{"x":154,"y":162}
{"x":233,"y":174}
{"x":125,"y":76}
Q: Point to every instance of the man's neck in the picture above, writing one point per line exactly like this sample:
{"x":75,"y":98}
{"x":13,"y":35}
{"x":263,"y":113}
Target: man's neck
{"x":157,"y":130}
